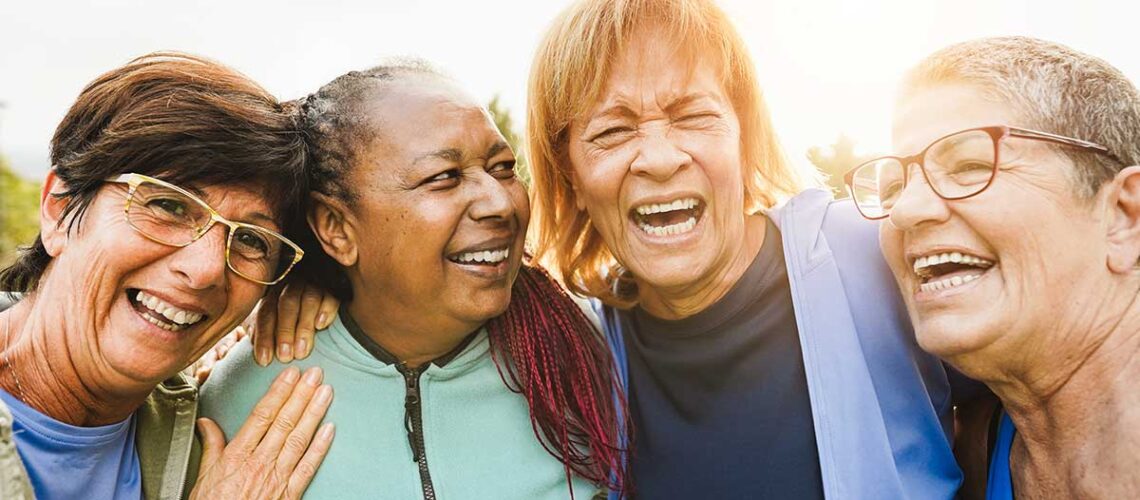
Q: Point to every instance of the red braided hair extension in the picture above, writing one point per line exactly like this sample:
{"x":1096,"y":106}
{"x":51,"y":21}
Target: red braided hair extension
{"x":546,"y":349}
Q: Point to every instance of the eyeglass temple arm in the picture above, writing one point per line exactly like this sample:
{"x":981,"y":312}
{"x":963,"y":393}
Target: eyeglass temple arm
{"x":1059,"y":139}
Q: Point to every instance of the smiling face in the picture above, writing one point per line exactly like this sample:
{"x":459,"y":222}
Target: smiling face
{"x":1002,"y":271}
{"x":139,"y":310}
{"x":440,"y":216}
{"x":657,"y":165}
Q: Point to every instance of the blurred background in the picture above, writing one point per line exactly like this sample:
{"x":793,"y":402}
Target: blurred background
{"x":828,"y":67}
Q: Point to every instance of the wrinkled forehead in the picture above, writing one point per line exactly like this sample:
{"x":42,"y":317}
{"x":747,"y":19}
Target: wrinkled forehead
{"x":927,"y":113}
{"x":654,"y":62}
{"x":419,"y":116}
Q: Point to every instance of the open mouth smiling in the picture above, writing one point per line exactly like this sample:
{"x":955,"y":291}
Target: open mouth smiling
{"x":481,"y":257}
{"x":945,"y":270}
{"x":679,"y":216}
{"x":161,"y":313}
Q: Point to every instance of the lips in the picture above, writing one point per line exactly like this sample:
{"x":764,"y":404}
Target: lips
{"x":161,"y":313}
{"x":945,"y":270}
{"x":670,"y":217}
{"x":482,"y":257}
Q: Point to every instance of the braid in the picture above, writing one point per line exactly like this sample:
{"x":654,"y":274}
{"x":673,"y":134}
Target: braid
{"x":336,"y":127}
{"x":544,"y":346}
{"x":546,"y":349}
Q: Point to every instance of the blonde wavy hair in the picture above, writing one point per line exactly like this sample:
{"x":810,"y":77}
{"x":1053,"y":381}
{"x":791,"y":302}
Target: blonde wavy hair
{"x":569,"y":74}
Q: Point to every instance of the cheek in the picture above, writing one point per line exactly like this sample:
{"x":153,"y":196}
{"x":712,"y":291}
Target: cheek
{"x":522,"y":204}
{"x":600,"y":174}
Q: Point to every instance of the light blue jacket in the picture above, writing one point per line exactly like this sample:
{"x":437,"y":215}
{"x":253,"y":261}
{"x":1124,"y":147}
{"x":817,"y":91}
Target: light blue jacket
{"x":881,"y":406}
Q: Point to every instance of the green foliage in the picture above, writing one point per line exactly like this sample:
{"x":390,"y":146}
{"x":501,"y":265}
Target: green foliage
{"x":835,"y":160}
{"x":19,"y":212}
{"x":502,"y":117}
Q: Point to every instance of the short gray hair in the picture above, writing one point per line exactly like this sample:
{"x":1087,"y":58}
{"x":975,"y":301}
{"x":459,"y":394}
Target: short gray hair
{"x":1054,"y":89}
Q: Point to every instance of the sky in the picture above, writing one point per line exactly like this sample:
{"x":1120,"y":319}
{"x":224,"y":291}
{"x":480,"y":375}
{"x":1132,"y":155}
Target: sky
{"x":827,"y":67}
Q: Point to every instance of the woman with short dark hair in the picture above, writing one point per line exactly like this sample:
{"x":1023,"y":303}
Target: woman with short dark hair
{"x":173,"y":178}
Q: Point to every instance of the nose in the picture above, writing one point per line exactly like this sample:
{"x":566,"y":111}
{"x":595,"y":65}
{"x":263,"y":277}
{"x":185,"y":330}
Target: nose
{"x":202,"y":264}
{"x":658,"y":157}
{"x":918,"y":204}
{"x":491,"y":199}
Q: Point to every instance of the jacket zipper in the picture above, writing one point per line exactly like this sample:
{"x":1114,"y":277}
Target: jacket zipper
{"x":413,"y":424}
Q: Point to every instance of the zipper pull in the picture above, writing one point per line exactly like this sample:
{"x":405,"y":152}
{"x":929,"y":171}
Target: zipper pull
{"x":411,"y":404}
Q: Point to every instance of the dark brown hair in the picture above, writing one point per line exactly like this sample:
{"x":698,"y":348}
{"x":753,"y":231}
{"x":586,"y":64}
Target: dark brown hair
{"x":179,"y":117}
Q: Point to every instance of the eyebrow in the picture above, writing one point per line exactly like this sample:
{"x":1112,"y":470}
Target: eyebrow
{"x":686,"y":100}
{"x":622,"y":110}
{"x":497,"y":148}
{"x":263,"y":217}
{"x":450,"y":154}
{"x":454,"y":155}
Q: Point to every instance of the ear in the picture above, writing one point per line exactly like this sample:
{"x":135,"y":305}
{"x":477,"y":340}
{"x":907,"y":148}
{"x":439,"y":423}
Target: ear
{"x":53,"y":229}
{"x":328,"y":218}
{"x":1123,"y":200}
{"x":572,"y":177}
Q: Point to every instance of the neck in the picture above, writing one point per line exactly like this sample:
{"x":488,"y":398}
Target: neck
{"x":39,"y":370}
{"x":1078,"y":420}
{"x":413,"y":338}
{"x":674,"y":303}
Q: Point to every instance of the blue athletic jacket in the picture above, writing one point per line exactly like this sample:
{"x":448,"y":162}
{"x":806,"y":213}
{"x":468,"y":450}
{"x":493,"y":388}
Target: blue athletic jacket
{"x":881,"y":406}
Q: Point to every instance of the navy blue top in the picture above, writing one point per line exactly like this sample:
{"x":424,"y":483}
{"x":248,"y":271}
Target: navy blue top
{"x":720,"y":399}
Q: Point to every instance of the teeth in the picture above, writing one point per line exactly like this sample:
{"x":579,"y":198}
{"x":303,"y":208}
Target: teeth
{"x":177,"y":316}
{"x":948,"y":283}
{"x":678,"y":228}
{"x":956,"y":257}
{"x":682,"y":204}
{"x":488,"y":256}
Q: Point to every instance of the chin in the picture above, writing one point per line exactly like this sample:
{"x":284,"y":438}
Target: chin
{"x":668,"y":276}
{"x":949,"y":338}
{"x":486,"y":306}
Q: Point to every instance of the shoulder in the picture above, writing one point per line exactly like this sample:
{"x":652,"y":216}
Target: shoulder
{"x":235,"y":384}
{"x":14,"y":482}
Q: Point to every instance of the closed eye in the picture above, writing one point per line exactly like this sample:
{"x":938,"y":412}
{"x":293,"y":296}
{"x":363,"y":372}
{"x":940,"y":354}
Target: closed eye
{"x":696,"y":119}
{"x":610,"y":133}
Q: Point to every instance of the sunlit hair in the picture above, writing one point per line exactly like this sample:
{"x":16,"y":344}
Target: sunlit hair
{"x":569,"y":74}
{"x":1053,"y":88}
{"x":179,"y":117}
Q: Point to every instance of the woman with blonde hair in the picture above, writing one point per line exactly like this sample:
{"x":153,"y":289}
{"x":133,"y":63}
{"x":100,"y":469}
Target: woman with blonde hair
{"x":766,"y":351}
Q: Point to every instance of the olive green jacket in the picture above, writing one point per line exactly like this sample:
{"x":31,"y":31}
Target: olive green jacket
{"x":169,"y":453}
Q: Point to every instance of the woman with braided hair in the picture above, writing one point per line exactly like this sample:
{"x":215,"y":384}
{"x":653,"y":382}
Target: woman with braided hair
{"x":461,"y":371}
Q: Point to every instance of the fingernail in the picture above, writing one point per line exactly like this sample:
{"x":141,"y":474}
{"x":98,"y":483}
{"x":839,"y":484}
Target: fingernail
{"x":323,"y":321}
{"x":302,"y":349}
{"x":327,"y":431}
{"x":324,"y":394}
{"x":285,"y":353}
{"x":264,"y":356}
{"x":291,"y":374}
{"x":313,"y":376}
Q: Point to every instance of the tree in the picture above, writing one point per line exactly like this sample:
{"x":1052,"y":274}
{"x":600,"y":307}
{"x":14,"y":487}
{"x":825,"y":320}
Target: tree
{"x":502,"y":117}
{"x":19,"y":212}
{"x":835,"y":160}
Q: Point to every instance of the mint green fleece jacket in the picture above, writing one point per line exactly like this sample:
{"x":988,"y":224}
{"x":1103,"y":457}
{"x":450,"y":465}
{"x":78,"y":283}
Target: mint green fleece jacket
{"x":478,"y":438}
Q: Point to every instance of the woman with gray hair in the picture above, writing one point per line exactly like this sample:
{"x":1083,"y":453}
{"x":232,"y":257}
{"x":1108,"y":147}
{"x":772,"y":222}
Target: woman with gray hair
{"x":1013,"y":230}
